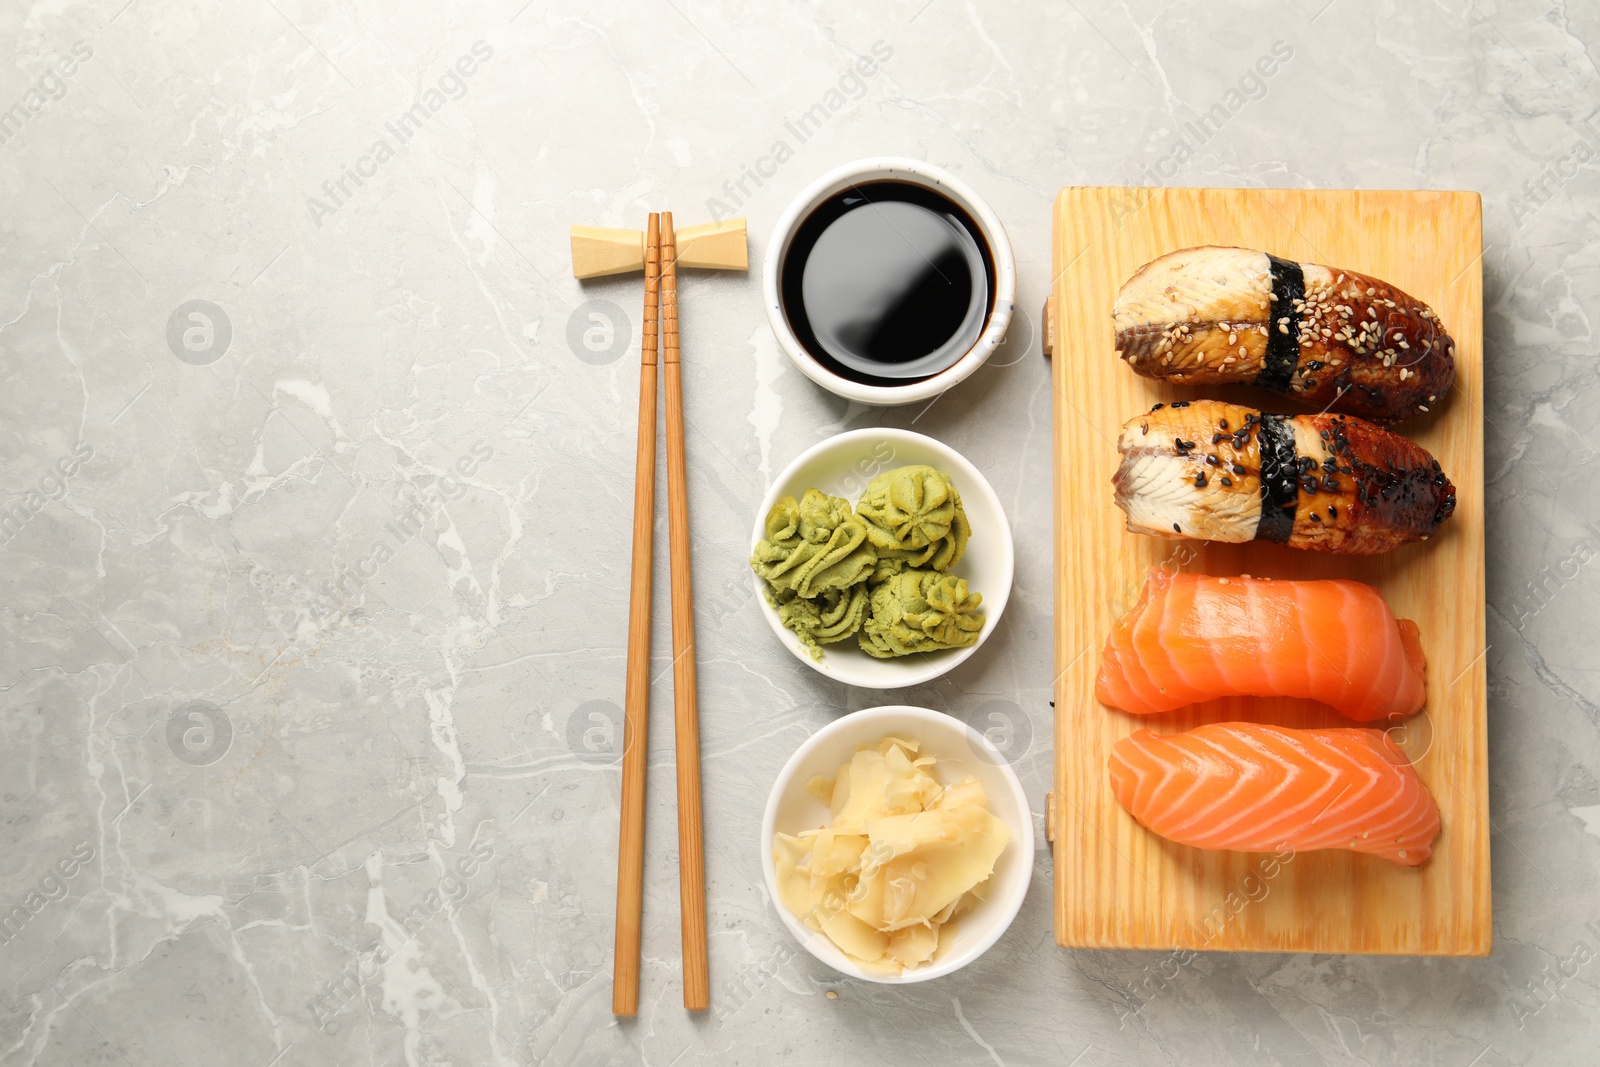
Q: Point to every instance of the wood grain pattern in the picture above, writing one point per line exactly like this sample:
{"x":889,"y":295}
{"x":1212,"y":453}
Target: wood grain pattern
{"x":1116,"y":884}
{"x":636,"y":698}
{"x":691,"y":838}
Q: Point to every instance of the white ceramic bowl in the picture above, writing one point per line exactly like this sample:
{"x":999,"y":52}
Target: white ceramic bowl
{"x":960,"y":751}
{"x":842,"y":466}
{"x":915,"y":171}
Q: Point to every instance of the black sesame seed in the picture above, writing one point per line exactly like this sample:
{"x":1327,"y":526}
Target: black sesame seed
{"x":1212,"y":460}
{"x":1176,"y":528}
{"x":1216,"y":438}
{"x":1200,"y":480}
{"x":1226,"y":480}
{"x":1238,"y":468}
{"x":1157,"y":408}
{"x":1333,"y":512}
{"x":1176,"y":404}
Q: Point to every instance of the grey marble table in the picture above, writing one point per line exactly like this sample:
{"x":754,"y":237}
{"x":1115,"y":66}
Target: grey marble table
{"x":315,"y":491}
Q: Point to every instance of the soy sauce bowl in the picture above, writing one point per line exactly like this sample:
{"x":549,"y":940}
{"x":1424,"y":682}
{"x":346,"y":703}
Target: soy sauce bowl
{"x":842,"y":466}
{"x":936,"y":180}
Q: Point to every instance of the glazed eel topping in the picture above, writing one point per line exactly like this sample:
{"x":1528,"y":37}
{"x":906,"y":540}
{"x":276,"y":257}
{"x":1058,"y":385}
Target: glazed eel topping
{"x":1224,"y":472}
{"x":1333,"y":338}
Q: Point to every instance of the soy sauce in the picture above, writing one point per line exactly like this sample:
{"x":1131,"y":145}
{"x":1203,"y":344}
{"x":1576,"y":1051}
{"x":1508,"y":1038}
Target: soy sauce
{"x":887,"y":283}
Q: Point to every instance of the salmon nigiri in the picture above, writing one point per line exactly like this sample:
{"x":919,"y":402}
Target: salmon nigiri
{"x":1192,"y":638}
{"x":1253,"y":788}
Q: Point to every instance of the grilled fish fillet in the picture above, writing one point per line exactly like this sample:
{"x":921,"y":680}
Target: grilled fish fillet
{"x":1224,"y":472}
{"x":1332,"y":338}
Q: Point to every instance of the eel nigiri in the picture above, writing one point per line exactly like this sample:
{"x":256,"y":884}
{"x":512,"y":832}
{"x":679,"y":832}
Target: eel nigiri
{"x":1332,"y":338}
{"x":1224,"y":472}
{"x":1192,"y":638}
{"x":1252,"y":788}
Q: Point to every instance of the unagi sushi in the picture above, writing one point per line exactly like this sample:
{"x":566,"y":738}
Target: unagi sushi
{"x":1192,"y":638}
{"x":1331,"y":338}
{"x":1252,"y":788}
{"x":1224,"y":472}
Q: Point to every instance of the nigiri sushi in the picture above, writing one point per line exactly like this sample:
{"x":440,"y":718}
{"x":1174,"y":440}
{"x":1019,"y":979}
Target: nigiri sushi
{"x":1252,"y":788}
{"x":1192,"y":638}
{"x":1331,"y":338}
{"x":1224,"y":472}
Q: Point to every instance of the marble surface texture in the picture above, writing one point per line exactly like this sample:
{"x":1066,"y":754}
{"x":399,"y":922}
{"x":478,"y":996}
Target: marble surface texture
{"x":315,"y":487}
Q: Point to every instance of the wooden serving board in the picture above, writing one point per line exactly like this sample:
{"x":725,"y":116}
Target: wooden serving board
{"x":1116,"y":884}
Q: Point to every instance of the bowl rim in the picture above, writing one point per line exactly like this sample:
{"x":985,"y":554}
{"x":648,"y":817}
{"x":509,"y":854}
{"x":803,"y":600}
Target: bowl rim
{"x":818,"y":944}
{"x":928,"y":666}
{"x":919,"y":172}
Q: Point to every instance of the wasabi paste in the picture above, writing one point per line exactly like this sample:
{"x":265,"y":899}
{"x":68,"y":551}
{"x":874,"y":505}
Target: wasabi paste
{"x":920,"y":611}
{"x":823,"y":620}
{"x":813,"y":546}
{"x":914,"y":517}
{"x":878,"y":571}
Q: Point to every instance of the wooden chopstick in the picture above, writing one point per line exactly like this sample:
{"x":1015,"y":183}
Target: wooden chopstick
{"x":636,"y":712}
{"x":691,"y":841}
